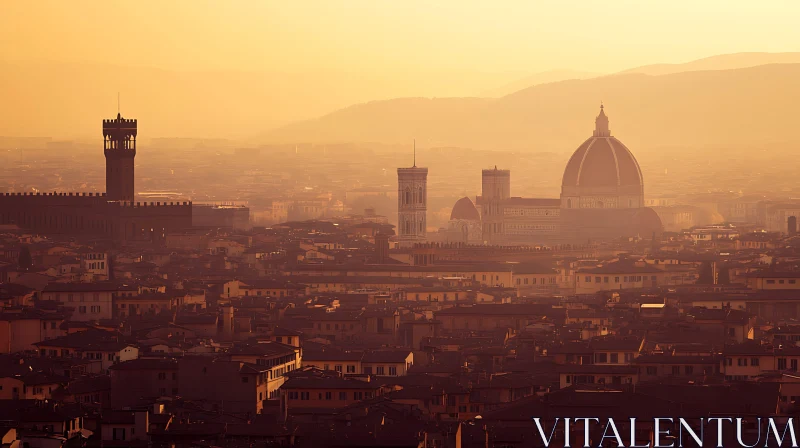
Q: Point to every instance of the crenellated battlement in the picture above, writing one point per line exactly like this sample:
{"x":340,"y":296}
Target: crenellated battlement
{"x":119,"y":127}
{"x":72,"y":199}
{"x":130,"y":204}
{"x":55,"y":193}
{"x":120,"y":120}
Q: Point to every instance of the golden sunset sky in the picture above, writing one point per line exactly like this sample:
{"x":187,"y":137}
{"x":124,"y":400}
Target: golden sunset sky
{"x":371,"y":49}
{"x":387,"y":36}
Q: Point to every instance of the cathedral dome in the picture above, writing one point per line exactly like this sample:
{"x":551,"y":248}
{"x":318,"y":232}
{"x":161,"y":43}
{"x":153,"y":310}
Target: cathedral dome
{"x":602,"y":161}
{"x":465,"y":209}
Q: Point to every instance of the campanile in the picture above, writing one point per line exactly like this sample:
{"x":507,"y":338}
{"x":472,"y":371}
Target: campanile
{"x":119,"y":146}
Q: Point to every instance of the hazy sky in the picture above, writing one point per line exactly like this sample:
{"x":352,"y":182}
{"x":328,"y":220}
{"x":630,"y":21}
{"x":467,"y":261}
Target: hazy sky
{"x":389,"y":36}
{"x":237,"y":68}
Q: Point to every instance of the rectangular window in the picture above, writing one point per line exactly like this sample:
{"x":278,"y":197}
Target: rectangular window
{"x":689,"y":370}
{"x":358,"y":396}
{"x":616,"y":279}
{"x":781,"y":363}
{"x":393,"y":371}
{"x":614,"y":358}
{"x":676,"y":370}
{"x":329,"y":395}
{"x":351,"y":369}
{"x":602,"y":357}
{"x":379,"y":370}
{"x":342,"y":396}
{"x":652,"y":370}
{"x":337,"y":367}
{"x":754,"y":361}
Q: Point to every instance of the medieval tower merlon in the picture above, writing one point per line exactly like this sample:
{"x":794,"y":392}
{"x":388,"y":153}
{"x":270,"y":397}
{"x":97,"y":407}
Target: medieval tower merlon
{"x":412,"y":205}
{"x":119,"y":147}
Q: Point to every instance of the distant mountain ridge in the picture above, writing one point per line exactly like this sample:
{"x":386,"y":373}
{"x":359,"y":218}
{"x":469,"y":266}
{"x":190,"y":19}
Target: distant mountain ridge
{"x":718,"y":62}
{"x":535,"y":79}
{"x":739,"y":106}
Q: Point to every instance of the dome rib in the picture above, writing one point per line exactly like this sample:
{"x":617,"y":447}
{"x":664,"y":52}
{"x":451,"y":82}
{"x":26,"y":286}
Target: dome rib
{"x":616,"y":159}
{"x":583,"y":159}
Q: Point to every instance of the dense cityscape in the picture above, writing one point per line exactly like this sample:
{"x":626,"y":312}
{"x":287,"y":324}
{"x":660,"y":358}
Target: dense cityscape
{"x":128,"y":322}
{"x":599,"y":257}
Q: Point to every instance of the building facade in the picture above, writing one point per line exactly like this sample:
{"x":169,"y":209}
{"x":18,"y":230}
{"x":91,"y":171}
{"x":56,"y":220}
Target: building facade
{"x":412,"y":205}
{"x":602,"y":197}
{"x":114,"y":214}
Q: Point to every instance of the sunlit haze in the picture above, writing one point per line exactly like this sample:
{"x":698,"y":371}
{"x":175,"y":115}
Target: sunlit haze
{"x":261,"y":65}
{"x":399,"y":223}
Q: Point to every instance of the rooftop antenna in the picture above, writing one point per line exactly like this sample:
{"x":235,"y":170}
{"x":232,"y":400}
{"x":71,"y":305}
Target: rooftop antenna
{"x":415,"y":153}
{"x":118,"y":108}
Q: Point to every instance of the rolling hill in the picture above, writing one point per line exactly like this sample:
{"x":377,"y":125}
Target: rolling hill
{"x":743,"y":106}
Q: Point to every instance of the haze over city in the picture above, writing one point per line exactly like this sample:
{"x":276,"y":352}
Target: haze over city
{"x":450,"y":224}
{"x":263,"y":65}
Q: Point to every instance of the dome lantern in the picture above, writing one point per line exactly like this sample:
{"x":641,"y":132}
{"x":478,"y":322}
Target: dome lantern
{"x":602,"y":173}
{"x":601,"y":124}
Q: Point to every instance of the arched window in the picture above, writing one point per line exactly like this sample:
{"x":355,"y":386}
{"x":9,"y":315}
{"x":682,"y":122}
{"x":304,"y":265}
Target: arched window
{"x":421,"y":196}
{"x":569,"y":203}
{"x":408,"y":196}
{"x":408,"y":227}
